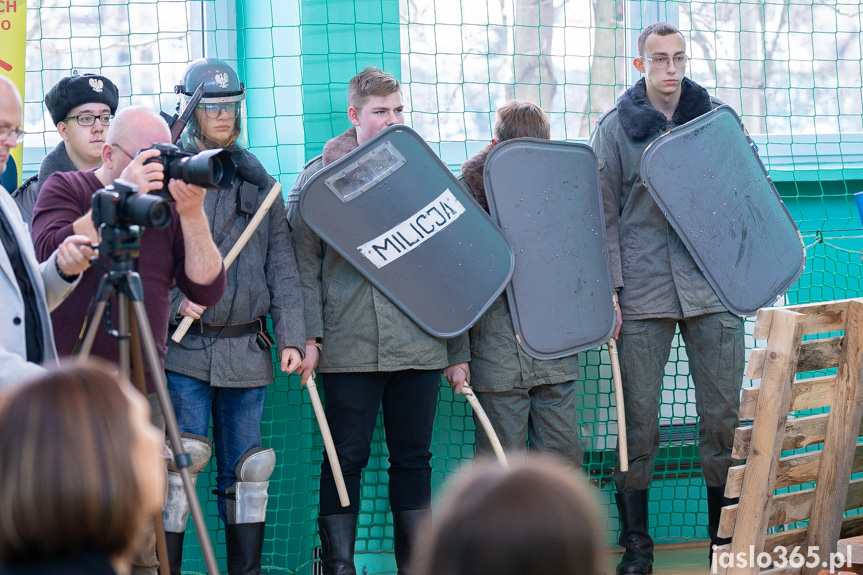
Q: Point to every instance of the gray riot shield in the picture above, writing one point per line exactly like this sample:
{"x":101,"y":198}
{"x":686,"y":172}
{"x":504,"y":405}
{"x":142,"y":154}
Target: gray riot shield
{"x":708,"y":179}
{"x":546,"y":196}
{"x":397,"y":214}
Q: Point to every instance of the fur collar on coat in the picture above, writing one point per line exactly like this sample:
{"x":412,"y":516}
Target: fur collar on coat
{"x":472,"y":172}
{"x":340,"y":146}
{"x":641,"y":120}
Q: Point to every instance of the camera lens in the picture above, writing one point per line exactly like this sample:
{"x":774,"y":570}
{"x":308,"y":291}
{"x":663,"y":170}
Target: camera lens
{"x":148,"y":211}
{"x":210,"y":168}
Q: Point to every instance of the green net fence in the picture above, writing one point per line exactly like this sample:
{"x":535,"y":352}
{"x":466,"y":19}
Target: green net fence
{"x":792,"y":69}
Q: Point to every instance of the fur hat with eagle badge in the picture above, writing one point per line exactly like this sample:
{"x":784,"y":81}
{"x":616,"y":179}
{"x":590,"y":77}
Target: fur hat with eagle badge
{"x":75,"y":90}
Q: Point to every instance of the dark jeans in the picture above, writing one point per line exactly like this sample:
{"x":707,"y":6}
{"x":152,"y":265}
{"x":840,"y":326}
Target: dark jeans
{"x":409,"y":400}
{"x":236,"y":412}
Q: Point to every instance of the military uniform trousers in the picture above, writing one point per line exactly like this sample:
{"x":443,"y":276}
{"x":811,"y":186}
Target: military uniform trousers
{"x":544,"y":414}
{"x":715,"y":349}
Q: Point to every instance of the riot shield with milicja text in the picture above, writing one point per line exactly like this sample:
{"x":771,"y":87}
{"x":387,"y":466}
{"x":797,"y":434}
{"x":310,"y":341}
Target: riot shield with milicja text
{"x":395,"y":211}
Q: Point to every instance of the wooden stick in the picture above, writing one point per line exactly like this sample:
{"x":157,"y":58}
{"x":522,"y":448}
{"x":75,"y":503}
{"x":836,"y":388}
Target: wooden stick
{"x":623,"y":452}
{"x":328,"y":441}
{"x":275,"y":192}
{"x":486,"y":424}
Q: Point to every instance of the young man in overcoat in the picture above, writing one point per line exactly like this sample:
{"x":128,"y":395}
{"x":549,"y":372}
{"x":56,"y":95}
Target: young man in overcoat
{"x":660,"y":288}
{"x":370,"y":354}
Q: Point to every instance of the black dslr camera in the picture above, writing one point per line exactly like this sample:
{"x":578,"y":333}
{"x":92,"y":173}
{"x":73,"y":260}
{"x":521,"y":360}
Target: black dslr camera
{"x":208,"y":169}
{"x":120,"y":205}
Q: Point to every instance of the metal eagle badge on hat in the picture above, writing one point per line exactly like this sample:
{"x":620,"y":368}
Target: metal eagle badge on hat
{"x":396,"y":213}
{"x":547,"y":198}
{"x":708,"y":179}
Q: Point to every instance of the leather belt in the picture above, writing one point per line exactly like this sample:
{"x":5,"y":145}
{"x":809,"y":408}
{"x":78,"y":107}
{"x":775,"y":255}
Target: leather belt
{"x":231,"y":330}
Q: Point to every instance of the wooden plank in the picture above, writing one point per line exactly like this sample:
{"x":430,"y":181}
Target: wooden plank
{"x":809,"y":393}
{"x":790,"y":507}
{"x":851,"y":526}
{"x":840,"y":442}
{"x":792,"y":470}
{"x":814,"y":354}
{"x":799,"y":432}
{"x":766,"y":435}
{"x":820,"y":317}
{"x":763,"y":319}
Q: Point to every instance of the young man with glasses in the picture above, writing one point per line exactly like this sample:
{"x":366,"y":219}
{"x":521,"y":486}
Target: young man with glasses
{"x":82,"y":108}
{"x":660,"y":287}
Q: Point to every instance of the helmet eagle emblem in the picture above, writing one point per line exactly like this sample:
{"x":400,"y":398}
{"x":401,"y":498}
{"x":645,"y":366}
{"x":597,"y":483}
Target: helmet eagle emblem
{"x":222,"y":80}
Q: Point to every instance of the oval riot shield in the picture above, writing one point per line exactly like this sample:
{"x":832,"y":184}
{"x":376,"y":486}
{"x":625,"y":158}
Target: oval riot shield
{"x":708,"y":179}
{"x":397,"y":214}
{"x":546,"y":196}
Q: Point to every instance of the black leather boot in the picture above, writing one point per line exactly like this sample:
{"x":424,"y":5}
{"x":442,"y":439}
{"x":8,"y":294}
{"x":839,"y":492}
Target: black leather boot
{"x":175,"y":551}
{"x":406,"y":525}
{"x":638,"y":557}
{"x":338,"y":535}
{"x":245,"y":543}
{"x":716,"y":500}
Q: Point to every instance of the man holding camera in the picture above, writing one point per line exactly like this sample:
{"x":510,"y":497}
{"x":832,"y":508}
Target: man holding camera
{"x":82,"y":108}
{"x":183,"y":253}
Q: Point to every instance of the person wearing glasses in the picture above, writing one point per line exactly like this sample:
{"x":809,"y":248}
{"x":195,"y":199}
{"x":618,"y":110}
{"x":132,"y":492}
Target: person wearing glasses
{"x":28,"y":290}
{"x":182,"y":254}
{"x":223,"y":365}
{"x":660,"y":288}
{"x":81,"y":106}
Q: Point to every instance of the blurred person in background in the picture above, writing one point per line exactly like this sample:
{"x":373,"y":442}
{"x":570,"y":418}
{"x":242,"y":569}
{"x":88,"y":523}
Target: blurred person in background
{"x":534,"y":518}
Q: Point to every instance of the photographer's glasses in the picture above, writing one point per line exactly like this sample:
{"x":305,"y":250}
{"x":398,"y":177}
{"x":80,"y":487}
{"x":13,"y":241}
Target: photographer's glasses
{"x":87,"y":120}
{"x":213,"y":111}
{"x":119,"y":147}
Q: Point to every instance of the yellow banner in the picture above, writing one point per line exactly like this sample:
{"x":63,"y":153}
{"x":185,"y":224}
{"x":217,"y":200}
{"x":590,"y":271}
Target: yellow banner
{"x":13,"y":37}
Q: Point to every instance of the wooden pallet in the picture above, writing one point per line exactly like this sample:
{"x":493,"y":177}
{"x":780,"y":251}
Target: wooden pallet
{"x":775,"y":429}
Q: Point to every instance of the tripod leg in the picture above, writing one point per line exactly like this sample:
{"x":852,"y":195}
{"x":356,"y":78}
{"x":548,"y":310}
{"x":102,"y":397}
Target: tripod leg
{"x":181,"y":458}
{"x":137,"y":368}
{"x":87,"y":345}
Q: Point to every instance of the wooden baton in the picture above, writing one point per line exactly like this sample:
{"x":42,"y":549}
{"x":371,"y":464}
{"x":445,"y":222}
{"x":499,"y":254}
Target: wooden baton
{"x":467,"y":391}
{"x":275,"y":192}
{"x":622,"y":452}
{"x":328,"y":441}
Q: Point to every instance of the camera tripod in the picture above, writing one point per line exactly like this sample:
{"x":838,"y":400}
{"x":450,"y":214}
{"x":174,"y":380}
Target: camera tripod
{"x":133,"y":331}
